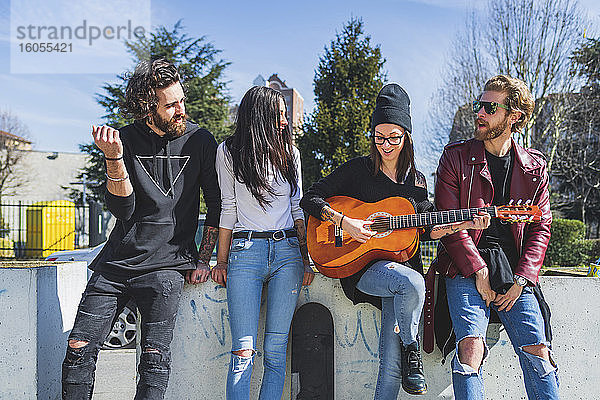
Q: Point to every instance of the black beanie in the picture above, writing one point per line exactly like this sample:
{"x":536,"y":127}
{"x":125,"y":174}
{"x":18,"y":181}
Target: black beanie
{"x":392,"y":106}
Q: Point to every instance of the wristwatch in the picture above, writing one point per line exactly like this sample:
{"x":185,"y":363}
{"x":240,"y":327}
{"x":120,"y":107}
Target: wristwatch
{"x":519,"y":280}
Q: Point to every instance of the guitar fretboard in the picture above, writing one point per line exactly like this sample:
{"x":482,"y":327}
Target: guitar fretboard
{"x":424,"y":219}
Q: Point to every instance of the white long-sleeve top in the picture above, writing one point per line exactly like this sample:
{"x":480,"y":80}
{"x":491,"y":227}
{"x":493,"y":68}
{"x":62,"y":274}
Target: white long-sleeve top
{"x":241,"y":211}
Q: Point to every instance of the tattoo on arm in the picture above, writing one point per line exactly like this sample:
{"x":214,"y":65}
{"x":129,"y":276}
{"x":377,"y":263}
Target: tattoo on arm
{"x":209,"y":239}
{"x":301,"y":231}
{"x":449,"y":229}
{"x":327,"y":214}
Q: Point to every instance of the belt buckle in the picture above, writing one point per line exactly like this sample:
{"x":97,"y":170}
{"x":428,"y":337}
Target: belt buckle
{"x":276,"y":237}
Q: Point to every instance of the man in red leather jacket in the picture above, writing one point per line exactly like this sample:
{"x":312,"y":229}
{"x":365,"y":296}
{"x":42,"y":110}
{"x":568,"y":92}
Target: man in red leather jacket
{"x":493,"y":169}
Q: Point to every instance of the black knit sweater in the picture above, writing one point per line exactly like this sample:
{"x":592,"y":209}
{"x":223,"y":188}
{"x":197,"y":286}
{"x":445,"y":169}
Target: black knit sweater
{"x":355,"y":179}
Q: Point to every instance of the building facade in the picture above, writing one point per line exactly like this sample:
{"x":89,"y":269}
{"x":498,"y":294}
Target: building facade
{"x":293,"y":100}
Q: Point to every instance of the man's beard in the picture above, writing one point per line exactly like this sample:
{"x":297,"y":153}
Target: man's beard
{"x":174,"y":127}
{"x":491,"y":132}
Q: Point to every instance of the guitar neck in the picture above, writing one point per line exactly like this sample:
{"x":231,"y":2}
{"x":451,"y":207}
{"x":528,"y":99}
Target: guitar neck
{"x":437,"y":217}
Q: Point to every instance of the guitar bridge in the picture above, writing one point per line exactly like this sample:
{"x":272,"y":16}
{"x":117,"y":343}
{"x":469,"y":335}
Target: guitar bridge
{"x":338,"y":235}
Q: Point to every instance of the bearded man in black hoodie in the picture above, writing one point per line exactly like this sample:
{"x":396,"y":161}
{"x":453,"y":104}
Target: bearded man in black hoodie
{"x":154,"y":169}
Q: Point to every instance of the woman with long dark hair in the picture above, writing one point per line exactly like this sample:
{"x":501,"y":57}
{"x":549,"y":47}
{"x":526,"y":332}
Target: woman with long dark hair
{"x":260,"y":179}
{"x":397,"y":289}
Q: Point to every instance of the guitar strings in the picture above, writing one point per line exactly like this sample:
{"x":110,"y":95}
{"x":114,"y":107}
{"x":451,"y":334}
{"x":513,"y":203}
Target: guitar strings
{"x":382,"y":224}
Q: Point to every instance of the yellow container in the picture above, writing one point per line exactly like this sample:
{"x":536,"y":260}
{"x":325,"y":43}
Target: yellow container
{"x":7,"y":245}
{"x":594,"y":270}
{"x":50,"y":227}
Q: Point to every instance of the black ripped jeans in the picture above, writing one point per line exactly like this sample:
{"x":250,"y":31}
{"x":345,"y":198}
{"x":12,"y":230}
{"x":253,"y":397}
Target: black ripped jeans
{"x":157,"y":297}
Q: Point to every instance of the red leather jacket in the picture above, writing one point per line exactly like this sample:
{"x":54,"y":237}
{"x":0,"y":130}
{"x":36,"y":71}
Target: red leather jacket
{"x":464,"y":181}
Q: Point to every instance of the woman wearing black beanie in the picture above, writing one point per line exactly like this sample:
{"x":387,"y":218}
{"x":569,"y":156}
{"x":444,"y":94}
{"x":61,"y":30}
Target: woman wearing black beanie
{"x":397,"y":289}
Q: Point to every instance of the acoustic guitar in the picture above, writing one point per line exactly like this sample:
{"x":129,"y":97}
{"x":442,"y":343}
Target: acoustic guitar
{"x":396,"y":224}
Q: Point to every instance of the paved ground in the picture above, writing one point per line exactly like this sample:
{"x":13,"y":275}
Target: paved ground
{"x":115,"y":375}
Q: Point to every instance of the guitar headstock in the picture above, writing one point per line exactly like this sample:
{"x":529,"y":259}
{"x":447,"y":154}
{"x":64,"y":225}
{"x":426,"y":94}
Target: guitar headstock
{"x":519,"y":213}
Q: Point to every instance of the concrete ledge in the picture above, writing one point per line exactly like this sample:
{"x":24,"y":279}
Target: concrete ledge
{"x":38,"y":303}
{"x":202,"y":343}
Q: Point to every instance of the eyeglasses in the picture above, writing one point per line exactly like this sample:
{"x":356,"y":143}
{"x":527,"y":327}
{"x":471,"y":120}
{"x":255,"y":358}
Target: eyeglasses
{"x":490,"y":107}
{"x":392,"y":140}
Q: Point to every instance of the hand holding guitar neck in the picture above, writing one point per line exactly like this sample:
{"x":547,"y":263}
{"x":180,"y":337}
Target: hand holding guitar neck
{"x":479,"y":221}
{"x":358,"y":229}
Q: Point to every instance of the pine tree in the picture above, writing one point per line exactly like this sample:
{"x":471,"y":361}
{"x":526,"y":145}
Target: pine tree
{"x":201,"y":70}
{"x":347,"y":80}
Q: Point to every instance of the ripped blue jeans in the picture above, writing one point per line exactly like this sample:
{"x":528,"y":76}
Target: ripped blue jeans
{"x":525,"y":327}
{"x":402,"y":292}
{"x":252,"y":263}
{"x":157,"y":296}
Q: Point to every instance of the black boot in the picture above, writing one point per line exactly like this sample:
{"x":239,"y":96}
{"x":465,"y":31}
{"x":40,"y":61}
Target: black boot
{"x":413,"y":380}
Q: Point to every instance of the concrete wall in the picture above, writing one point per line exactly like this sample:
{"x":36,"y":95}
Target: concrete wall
{"x":38,"y":304}
{"x":202,"y":343}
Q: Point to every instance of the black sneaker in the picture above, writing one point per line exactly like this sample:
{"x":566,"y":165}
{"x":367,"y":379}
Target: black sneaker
{"x":413,"y":379}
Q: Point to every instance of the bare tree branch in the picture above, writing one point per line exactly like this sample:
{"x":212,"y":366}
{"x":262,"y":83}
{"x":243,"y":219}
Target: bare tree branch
{"x":11,"y":152}
{"x":527,"y":39}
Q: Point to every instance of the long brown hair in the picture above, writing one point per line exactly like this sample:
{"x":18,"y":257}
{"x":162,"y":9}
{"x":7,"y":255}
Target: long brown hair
{"x":406,"y":158}
{"x":258,"y":145}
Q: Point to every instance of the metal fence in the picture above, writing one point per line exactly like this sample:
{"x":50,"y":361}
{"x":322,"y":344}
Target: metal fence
{"x":36,"y":229}
{"x":428,"y":251}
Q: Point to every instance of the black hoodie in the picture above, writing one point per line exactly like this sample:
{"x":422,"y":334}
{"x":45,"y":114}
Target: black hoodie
{"x":156,"y":224}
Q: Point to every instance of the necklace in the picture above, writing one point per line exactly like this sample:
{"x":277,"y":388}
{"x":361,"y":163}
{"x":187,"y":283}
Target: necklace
{"x":504,"y":184}
{"x":508,"y":164}
{"x":389,"y":173}
{"x":505,"y":180}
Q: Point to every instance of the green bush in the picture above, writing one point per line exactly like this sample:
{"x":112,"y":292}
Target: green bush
{"x":567,"y":245}
{"x":591,"y":249}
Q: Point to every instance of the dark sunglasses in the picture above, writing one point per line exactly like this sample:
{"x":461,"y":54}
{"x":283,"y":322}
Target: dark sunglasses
{"x":490,"y":107}
{"x":393,"y":140}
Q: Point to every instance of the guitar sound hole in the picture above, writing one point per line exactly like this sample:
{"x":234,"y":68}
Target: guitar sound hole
{"x":380,"y":223}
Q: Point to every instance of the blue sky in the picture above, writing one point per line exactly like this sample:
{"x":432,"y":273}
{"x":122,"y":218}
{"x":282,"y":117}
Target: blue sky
{"x":258,"y":37}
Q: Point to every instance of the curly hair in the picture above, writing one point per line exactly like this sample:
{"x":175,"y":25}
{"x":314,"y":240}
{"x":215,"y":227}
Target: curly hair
{"x":518,"y":97}
{"x":140,"y":95}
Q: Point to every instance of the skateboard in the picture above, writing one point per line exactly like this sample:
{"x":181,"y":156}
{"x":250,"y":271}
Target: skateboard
{"x":312,"y":352}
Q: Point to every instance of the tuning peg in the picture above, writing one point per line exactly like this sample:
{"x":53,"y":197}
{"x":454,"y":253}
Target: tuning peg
{"x":511,"y":202}
{"x":519,"y":202}
{"x":528,"y":202}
